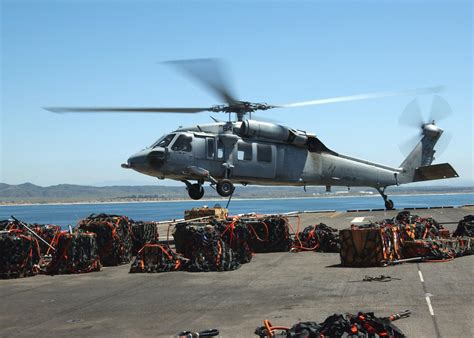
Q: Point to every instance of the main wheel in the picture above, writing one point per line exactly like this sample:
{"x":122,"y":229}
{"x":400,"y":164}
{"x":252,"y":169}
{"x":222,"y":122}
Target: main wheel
{"x":196,"y":191}
{"x":225,"y":188}
{"x":389,"y":204}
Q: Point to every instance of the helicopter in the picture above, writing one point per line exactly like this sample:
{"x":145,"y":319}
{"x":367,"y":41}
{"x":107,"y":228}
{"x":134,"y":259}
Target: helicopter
{"x":250,"y":151}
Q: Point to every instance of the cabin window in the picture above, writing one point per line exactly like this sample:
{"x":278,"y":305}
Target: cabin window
{"x":220,"y":149}
{"x":264,"y":153}
{"x":244,"y":152}
{"x":164,"y":141}
{"x":183,"y":143}
{"x":210,"y":147}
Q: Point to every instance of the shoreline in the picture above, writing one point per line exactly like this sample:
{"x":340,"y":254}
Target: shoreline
{"x":225,"y":200}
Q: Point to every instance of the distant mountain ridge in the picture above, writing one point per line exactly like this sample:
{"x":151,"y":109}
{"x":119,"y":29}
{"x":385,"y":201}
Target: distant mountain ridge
{"x":31,"y":193}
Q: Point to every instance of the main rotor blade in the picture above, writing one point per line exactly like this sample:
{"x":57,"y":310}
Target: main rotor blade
{"x":419,"y":91}
{"x":124,"y":110}
{"x":210,"y":73}
{"x":440,"y":109}
{"x":411,"y":115}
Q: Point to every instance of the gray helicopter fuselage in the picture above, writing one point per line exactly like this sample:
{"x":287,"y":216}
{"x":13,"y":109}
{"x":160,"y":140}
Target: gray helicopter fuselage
{"x":252,"y":152}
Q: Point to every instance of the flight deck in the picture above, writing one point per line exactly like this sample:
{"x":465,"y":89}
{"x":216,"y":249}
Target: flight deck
{"x":283,"y":287}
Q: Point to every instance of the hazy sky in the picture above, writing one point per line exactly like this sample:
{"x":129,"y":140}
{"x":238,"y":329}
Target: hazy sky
{"x":81,"y":53}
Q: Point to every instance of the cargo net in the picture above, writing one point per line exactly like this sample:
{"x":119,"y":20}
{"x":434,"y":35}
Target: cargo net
{"x":114,"y":237}
{"x":371,"y":245}
{"x":237,"y":237}
{"x":154,"y":257}
{"x":46,"y":231}
{"x":465,"y":227}
{"x":362,"y":324}
{"x":10,"y":224}
{"x":143,"y":233}
{"x":439,"y":249}
{"x":19,"y":254}
{"x":49,"y":233}
{"x":413,"y":227}
{"x":318,"y":237}
{"x":406,"y":236}
{"x":268,"y":233}
{"x":204,"y":248}
{"x":75,"y":253}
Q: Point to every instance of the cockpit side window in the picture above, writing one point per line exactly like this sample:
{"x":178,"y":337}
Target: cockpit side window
{"x":182,"y":143}
{"x":164,"y":141}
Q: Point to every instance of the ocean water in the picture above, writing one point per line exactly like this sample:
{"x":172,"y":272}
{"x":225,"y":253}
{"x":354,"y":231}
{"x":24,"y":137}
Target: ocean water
{"x":64,"y":214}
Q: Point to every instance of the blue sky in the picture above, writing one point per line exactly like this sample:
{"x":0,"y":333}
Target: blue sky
{"x":102,"y":53}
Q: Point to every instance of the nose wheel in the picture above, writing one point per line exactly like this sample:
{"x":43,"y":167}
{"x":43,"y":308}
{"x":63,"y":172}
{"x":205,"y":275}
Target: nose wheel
{"x":225,"y":188}
{"x":388,"y":202}
{"x":195,"y":191}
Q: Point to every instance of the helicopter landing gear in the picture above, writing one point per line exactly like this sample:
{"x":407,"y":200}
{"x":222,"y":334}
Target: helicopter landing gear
{"x":388,"y":203}
{"x":195,"y":191}
{"x":225,"y":188}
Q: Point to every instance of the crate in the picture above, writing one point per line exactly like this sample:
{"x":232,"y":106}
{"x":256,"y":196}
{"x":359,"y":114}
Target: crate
{"x":216,"y":212}
{"x":369,"y":245}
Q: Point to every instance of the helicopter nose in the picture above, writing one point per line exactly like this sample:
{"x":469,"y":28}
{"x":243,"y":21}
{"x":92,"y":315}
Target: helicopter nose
{"x":137,"y":161}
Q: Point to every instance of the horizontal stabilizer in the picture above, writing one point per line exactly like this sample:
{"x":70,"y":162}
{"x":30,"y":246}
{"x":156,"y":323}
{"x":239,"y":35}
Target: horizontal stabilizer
{"x":434,"y":172}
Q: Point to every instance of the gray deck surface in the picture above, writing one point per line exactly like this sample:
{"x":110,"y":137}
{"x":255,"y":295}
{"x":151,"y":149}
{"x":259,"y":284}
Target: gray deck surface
{"x":282,"y":287}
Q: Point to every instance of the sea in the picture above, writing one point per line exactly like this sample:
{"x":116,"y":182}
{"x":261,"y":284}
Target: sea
{"x":65,"y":214}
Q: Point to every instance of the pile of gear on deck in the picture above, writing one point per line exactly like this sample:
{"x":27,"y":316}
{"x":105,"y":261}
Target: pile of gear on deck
{"x":99,"y":240}
{"x":362,"y":324}
{"x":406,"y":237}
{"x":209,"y":240}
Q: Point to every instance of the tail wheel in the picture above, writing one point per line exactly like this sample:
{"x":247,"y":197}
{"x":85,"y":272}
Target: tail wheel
{"x":196,"y":191}
{"x":225,"y":188}
{"x":389,"y":204}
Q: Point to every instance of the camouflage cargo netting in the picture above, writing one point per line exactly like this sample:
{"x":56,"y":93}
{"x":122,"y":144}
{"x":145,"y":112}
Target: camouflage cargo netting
{"x":143,"y":232}
{"x":19,"y":254}
{"x":319,"y":237}
{"x":203,"y":246}
{"x":75,"y":253}
{"x":237,"y":236}
{"x":439,"y":249}
{"x":465,"y":227}
{"x":114,"y":237}
{"x":181,"y":235}
{"x":362,"y":324}
{"x":153,"y":257}
{"x":48,"y":232}
{"x":9,"y":224}
{"x":268,"y":233}
{"x":405,"y":236}
{"x":415,"y":227}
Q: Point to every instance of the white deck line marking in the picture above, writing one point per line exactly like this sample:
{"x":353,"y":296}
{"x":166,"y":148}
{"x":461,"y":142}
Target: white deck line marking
{"x":421,"y":276}
{"x":358,"y":220}
{"x":428,"y":301}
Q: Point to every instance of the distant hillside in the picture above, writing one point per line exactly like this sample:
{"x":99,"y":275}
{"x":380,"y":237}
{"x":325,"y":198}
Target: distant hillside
{"x":31,"y":193}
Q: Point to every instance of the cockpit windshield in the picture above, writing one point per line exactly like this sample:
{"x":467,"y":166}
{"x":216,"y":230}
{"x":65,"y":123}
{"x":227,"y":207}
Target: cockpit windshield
{"x":164,"y":141}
